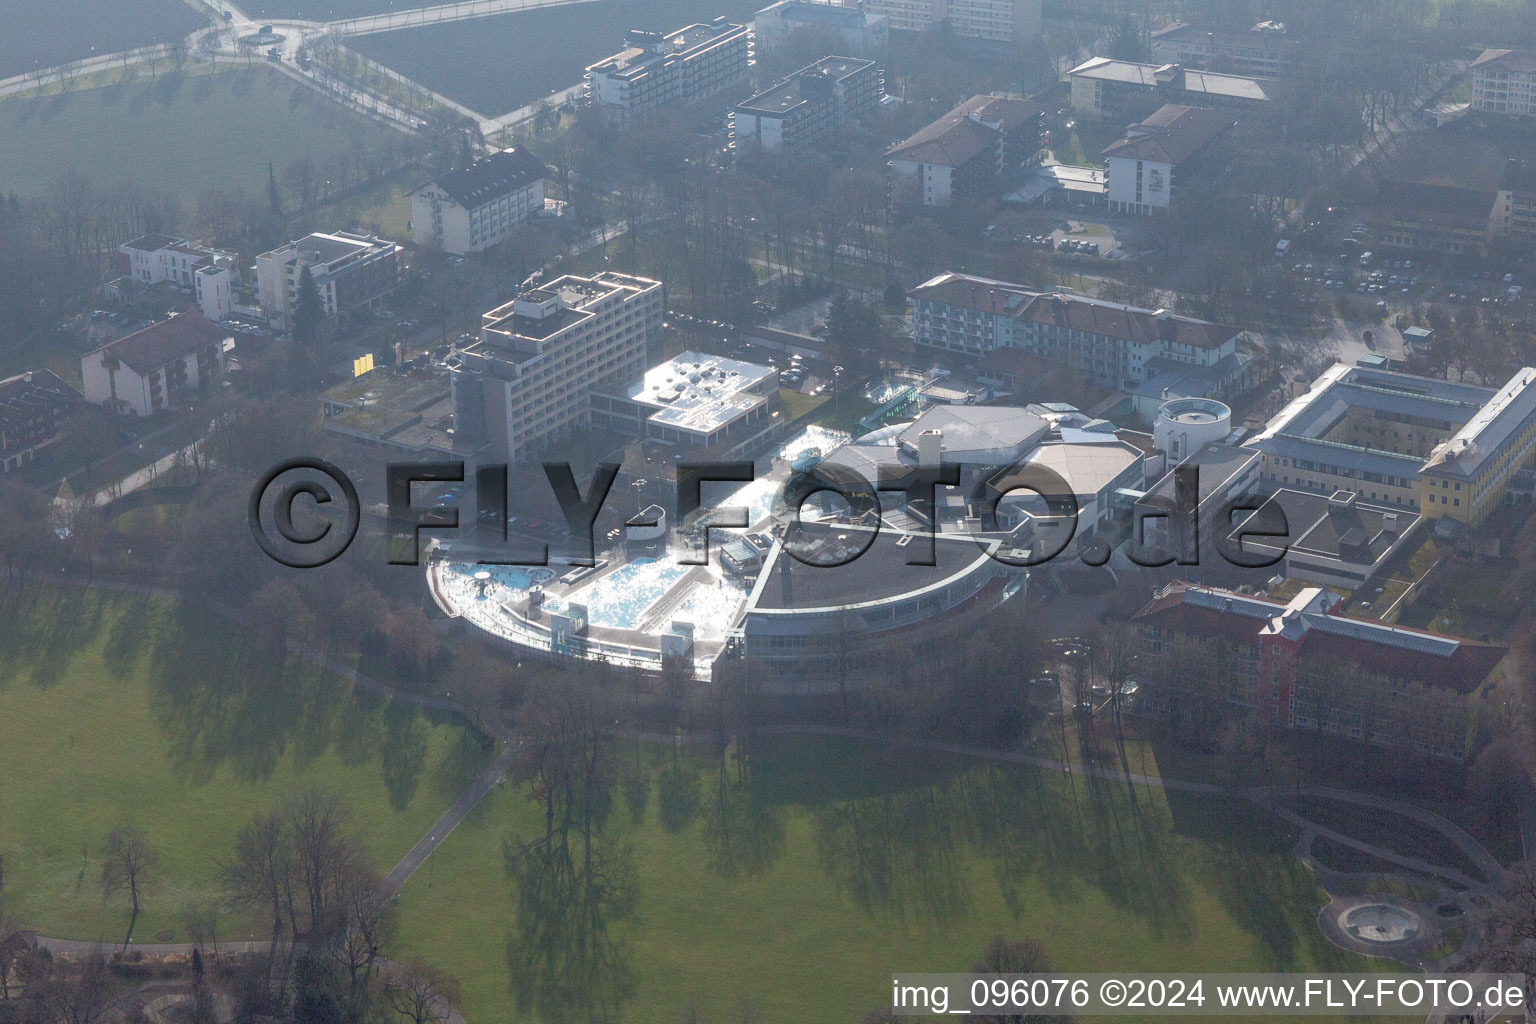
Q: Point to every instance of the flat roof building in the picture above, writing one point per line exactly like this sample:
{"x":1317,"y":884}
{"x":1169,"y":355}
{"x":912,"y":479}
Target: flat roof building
{"x":391,"y":410}
{"x":205,"y":272}
{"x":1264,"y":51}
{"x":807,"y":106}
{"x":656,"y":70}
{"x":530,"y":376}
{"x":350,"y":271}
{"x":857,"y":31}
{"x":696,"y":400}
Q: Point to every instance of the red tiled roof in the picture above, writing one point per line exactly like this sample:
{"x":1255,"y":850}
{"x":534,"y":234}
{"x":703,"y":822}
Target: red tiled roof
{"x":960,"y":134}
{"x":1127,"y":323}
{"x":1521,"y":61}
{"x":1172,"y":134}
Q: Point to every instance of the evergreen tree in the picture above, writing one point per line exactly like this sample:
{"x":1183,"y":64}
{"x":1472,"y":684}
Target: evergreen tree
{"x":308,"y":312}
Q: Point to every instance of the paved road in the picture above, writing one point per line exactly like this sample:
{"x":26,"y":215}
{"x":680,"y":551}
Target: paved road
{"x":438,"y":15}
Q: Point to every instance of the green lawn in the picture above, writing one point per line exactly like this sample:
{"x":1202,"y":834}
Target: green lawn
{"x":112,"y":713}
{"x":799,"y":893}
{"x":180,"y":133}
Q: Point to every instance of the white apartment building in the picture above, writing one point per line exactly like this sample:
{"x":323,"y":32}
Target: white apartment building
{"x":1504,"y":82}
{"x":1140,"y":167}
{"x":1264,"y":51}
{"x":161,"y":367}
{"x":999,"y":21}
{"x":472,"y":209}
{"x":858,"y":31}
{"x":350,"y":271}
{"x":208,"y":274}
{"x":680,"y":67}
{"x":529,"y":378}
{"x":807,"y":105}
{"x":1111,"y":344}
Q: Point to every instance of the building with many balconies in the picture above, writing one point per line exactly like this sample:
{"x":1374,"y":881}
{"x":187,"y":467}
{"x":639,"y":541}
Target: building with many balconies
{"x":164,"y":366}
{"x":350,"y":272}
{"x":1504,"y":82}
{"x":655,"y":70}
{"x":808,"y":105}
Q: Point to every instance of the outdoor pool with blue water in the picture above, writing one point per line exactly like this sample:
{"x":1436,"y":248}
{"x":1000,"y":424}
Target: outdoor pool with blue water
{"x":619,"y":599}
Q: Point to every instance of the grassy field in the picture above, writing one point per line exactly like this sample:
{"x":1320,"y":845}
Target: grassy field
{"x":42,"y":33}
{"x":535,"y":52}
{"x":112,"y":714}
{"x":182,"y":133}
{"x":797,"y":893}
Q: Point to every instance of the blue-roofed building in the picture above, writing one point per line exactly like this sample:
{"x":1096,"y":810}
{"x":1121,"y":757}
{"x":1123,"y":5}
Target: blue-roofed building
{"x":857,"y":31}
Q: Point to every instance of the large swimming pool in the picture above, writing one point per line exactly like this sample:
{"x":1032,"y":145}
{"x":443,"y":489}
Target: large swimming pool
{"x":619,"y":600}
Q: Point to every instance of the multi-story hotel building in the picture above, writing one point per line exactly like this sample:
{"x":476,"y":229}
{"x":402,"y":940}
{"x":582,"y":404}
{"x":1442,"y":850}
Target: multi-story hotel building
{"x":997,"y":21}
{"x":33,"y":408}
{"x":350,"y":271}
{"x":808,"y":105}
{"x":964,"y":152}
{"x":1514,"y":209}
{"x":858,"y":31}
{"x":207,"y":273}
{"x":1440,"y":448}
{"x":1264,"y":51}
{"x":160,"y":367}
{"x":680,"y":67}
{"x":472,"y":209}
{"x":530,"y":376}
{"x":1504,"y":82}
{"x":1301,"y":664}
{"x":1111,"y":344}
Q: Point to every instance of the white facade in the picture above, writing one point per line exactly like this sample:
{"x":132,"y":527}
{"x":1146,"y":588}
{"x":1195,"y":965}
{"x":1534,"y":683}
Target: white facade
{"x":808,"y":105}
{"x":207,"y":273}
{"x":858,"y":31}
{"x":1001,"y":21}
{"x":1504,"y":82}
{"x":475,"y":208}
{"x":529,"y":378}
{"x":681,"y":67}
{"x":1139,"y":186}
{"x":158,"y":368}
{"x":350,"y":271}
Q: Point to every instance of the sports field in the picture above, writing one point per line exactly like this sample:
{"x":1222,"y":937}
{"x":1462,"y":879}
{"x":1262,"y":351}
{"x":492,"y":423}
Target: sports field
{"x":113,"y":712}
{"x":180,"y":133}
{"x":41,"y":33}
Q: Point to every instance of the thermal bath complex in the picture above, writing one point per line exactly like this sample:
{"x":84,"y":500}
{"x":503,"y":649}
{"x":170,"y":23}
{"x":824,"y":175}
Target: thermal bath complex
{"x":751,"y":595}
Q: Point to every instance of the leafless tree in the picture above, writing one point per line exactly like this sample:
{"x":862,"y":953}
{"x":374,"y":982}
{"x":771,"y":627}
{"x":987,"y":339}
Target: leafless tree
{"x":260,"y":873}
{"x":421,"y":993}
{"x":130,"y":865}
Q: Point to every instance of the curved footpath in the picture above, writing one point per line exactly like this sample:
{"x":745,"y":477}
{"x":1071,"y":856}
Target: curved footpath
{"x":494,"y":773}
